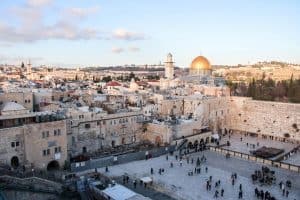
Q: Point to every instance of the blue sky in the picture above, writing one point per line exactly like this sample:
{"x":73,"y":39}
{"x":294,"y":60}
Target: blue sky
{"x":112,"y":32}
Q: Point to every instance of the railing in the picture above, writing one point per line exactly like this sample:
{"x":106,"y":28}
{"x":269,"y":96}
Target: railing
{"x":245,"y":156}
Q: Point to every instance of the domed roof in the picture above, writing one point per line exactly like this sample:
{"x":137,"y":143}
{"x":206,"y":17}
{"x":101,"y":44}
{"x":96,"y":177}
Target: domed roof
{"x":200,"y":63}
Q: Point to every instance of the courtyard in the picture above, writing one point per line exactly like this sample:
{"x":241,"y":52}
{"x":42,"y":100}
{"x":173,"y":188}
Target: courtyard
{"x":176,"y":182}
{"x":238,"y":142}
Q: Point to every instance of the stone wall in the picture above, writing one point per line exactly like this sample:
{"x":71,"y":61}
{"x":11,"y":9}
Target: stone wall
{"x":35,"y":143}
{"x":92,"y":134}
{"x":264,"y":118}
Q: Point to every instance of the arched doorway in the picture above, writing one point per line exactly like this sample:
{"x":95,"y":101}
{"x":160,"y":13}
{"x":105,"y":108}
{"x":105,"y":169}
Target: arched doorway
{"x":201,"y":141}
{"x":14,"y":162}
{"x":53,"y":165}
{"x":196,"y":144}
{"x":84,"y":150}
{"x":158,"y":140}
{"x":113,"y":143}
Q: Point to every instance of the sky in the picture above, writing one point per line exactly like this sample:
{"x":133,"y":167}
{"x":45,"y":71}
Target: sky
{"x":117,"y":32}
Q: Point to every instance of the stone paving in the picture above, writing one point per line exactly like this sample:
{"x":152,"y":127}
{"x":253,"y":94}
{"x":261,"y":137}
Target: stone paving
{"x":294,"y":159}
{"x":241,"y":146}
{"x":176,"y":182}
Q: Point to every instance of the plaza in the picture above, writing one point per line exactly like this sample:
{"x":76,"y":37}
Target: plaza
{"x":238,"y":142}
{"x":178,"y":184}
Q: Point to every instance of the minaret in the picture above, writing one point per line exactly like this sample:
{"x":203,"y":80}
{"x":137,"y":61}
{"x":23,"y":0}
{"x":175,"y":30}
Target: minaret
{"x":169,"y":67}
{"x":28,"y":70}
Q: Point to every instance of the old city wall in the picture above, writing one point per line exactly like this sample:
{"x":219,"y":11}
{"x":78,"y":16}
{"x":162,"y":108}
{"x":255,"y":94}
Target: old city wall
{"x":280,"y":120}
{"x":158,"y":133}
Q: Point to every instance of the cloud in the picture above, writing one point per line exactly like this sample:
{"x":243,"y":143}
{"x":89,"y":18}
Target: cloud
{"x":134,"y":49}
{"x":123,"y":34}
{"x":38,"y":3}
{"x":18,"y":59}
{"x":32,"y":26}
{"x":117,"y":50}
{"x":82,"y":12}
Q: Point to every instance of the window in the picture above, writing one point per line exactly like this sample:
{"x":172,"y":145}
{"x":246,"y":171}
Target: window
{"x":47,"y":134}
{"x":55,"y":132}
{"x":43,"y":134}
{"x":25,"y":101}
{"x":58,"y":132}
{"x":104,"y":122}
{"x":46,"y":152}
{"x":87,"y":126}
{"x":98,"y":123}
{"x":13,"y":144}
{"x":17,"y":144}
{"x":57,"y":149}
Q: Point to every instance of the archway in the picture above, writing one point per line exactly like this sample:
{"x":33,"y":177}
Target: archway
{"x":113,"y":143}
{"x":158,"y":140}
{"x":14,"y":162}
{"x":207,"y":140}
{"x":123,"y":141}
{"x":53,"y":165}
{"x":196,"y":144}
{"x":201,"y":141}
{"x":190,"y":145}
{"x":84,"y":150}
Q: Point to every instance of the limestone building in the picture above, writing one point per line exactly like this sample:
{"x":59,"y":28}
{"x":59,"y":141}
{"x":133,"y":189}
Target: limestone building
{"x":34,"y":140}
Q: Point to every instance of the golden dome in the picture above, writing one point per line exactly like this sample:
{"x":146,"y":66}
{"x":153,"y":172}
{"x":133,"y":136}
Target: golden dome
{"x":200,"y":63}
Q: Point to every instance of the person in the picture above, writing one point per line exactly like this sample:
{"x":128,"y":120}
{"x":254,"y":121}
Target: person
{"x":106,"y":169}
{"x":287,"y":193}
{"x":232,"y":181}
{"x":134,"y":183}
{"x":167,"y":158}
{"x":222,"y":192}
{"x":206,"y":169}
{"x":216,"y":194}
{"x":181,"y":163}
{"x":176,"y":157}
{"x":127,"y":179}
{"x":151,"y":170}
{"x":240,"y":194}
{"x":171,"y":164}
{"x":240,"y":186}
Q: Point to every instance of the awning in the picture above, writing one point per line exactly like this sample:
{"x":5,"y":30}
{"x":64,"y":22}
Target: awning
{"x":146,"y":179}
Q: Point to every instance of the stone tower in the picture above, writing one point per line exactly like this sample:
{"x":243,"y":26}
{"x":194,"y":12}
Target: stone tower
{"x":169,"y":67}
{"x":28,"y":70}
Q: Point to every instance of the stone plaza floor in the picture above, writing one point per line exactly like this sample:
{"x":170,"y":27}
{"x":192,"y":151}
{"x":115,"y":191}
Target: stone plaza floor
{"x":293,"y":159}
{"x":241,"y":146}
{"x":176,"y":182}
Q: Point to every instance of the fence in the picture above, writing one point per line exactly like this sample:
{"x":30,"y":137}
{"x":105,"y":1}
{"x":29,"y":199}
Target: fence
{"x":282,"y":165}
{"x":119,"y":159}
